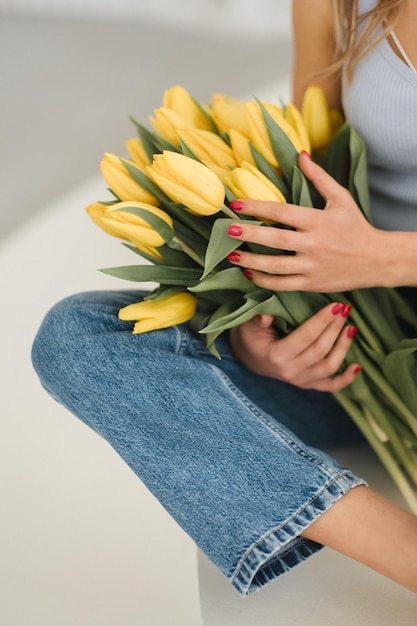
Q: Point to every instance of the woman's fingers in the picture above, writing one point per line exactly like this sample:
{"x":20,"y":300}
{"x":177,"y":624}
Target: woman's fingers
{"x":335,"y":383}
{"x":311,"y":356}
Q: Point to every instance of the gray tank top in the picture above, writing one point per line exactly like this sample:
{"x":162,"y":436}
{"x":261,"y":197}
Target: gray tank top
{"x":381,"y":105}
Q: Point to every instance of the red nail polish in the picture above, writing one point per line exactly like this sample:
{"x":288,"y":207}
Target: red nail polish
{"x":235,"y":231}
{"x":357,"y":369}
{"x":248,"y":274}
{"x":234,"y":257}
{"x":306,"y":154}
{"x":338,"y":308}
{"x":351,"y":331}
{"x":346,"y":310}
{"x":236,"y":205}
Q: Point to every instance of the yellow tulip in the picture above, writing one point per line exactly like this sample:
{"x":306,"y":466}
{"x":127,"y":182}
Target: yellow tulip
{"x":120,"y":181}
{"x":128,"y":226}
{"x":316,"y":116}
{"x":259,"y":132}
{"x":179,"y":100}
{"x":188,"y":182}
{"x":295,"y":119}
{"x":240,"y":147}
{"x":248,"y":182}
{"x":229,"y":113}
{"x":336,"y":121}
{"x":97,"y":211}
{"x":137,"y":153}
{"x":156,"y":314}
{"x":209,"y":147}
{"x":169,"y":123}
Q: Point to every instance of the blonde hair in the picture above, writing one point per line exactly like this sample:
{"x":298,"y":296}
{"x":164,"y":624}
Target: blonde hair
{"x":351,"y":48}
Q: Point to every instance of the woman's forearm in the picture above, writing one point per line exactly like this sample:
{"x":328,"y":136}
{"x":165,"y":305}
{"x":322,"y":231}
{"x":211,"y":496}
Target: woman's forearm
{"x":397,"y":255}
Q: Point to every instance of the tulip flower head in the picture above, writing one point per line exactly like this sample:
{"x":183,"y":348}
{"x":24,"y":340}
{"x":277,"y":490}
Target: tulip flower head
{"x":120,"y":181}
{"x":188,"y":182}
{"x":118,"y":221}
{"x":156,"y":314}
{"x":137,"y":153}
{"x":229,"y":113}
{"x":180,"y":100}
{"x":316,"y":116}
{"x":248,"y":182}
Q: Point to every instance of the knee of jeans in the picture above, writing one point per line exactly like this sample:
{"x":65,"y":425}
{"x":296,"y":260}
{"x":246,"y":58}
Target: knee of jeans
{"x":61,"y":334}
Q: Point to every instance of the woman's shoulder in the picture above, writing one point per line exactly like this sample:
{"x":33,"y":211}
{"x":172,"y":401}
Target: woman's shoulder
{"x":313,"y":17}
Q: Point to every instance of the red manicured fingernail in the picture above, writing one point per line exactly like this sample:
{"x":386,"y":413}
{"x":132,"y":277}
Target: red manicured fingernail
{"x":236,"y":205}
{"x":306,"y":154}
{"x":338,"y":308}
{"x":346,"y":310}
{"x":357,"y":369}
{"x":234,"y":257}
{"x":351,"y":331}
{"x":248,"y":274}
{"x":235,"y":231}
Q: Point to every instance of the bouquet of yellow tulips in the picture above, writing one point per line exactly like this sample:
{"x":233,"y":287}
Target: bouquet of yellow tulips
{"x":171,"y":206}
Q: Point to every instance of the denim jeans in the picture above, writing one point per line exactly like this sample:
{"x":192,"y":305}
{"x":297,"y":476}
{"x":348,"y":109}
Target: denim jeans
{"x":231,"y":455}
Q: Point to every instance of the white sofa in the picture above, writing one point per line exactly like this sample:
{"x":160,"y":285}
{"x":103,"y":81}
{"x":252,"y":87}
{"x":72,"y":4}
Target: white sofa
{"x":82,"y":541}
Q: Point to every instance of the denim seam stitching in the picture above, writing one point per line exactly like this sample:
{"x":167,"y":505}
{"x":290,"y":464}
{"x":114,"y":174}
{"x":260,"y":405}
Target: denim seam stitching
{"x":262,"y":416}
{"x":288,"y":521}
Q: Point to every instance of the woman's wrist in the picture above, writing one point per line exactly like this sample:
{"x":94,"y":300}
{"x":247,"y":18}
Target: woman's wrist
{"x":397,"y":259}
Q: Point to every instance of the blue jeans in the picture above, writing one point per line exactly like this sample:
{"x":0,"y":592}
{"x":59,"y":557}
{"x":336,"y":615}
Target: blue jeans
{"x":228,"y":453}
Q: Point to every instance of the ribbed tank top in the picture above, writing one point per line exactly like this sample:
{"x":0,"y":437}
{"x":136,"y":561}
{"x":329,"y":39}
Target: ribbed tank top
{"x":381,"y":105}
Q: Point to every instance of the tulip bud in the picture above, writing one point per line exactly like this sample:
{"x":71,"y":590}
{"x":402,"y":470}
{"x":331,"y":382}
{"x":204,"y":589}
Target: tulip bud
{"x":168,"y":124}
{"x":248,"y":182}
{"x":157,"y":314}
{"x":336,"y":121}
{"x":294,"y":118}
{"x":208,"y":146}
{"x":240,"y":147}
{"x":229,"y":113}
{"x":120,"y":181}
{"x":188,"y":182}
{"x":129,"y":226}
{"x":179,"y":100}
{"x":137,"y":153}
{"x":316,"y":116}
{"x":259,"y":133}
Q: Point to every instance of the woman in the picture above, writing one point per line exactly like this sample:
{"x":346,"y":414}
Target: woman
{"x":227,"y":446}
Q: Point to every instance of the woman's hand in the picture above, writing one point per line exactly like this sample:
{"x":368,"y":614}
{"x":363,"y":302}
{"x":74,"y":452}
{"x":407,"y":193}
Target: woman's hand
{"x":309,"y":357}
{"x":336,"y":248}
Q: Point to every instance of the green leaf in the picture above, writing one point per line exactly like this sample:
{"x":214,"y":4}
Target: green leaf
{"x":206,"y":115}
{"x":358,"y":176}
{"x":282,"y":147}
{"x":254,"y":303}
{"x":149,"y":141}
{"x":337,"y":157}
{"x":230,"y":279}
{"x":300,"y":189}
{"x":157,"y":273}
{"x":220,"y":243}
{"x":163,"y":291}
{"x":400,"y":369}
{"x":268,"y":171}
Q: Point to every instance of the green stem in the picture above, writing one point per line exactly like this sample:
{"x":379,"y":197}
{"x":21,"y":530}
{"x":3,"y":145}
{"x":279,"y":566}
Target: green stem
{"x":229,"y":212}
{"x":390,"y":463}
{"x":188,"y":250}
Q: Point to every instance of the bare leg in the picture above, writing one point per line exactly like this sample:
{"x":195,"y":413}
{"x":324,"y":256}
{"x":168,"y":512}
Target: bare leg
{"x":371,"y":530}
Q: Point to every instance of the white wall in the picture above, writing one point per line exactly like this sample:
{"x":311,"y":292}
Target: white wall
{"x":228,"y":18}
